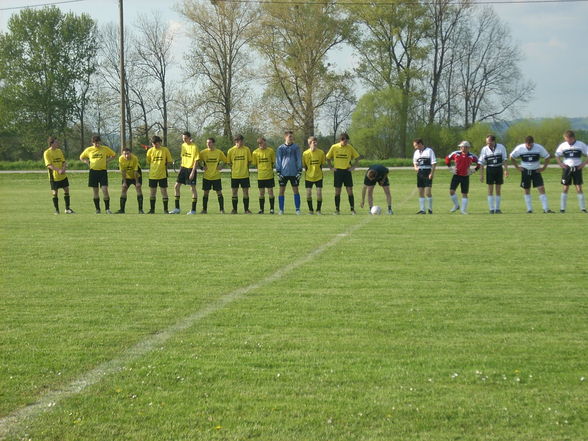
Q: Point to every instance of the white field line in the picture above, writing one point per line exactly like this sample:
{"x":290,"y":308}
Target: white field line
{"x":16,"y":419}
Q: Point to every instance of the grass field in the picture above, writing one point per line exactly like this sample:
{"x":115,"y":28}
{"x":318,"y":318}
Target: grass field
{"x":210,"y":327}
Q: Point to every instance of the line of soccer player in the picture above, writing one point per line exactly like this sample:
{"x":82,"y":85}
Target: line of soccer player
{"x":289,"y":162}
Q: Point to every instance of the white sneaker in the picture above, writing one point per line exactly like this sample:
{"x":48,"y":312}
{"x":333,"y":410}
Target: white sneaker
{"x":69,"y":211}
{"x":191,"y":212}
{"x":390,"y":212}
{"x":281,"y":212}
{"x":108,"y":212}
{"x":297,"y":212}
{"x":464,"y":212}
{"x":454,"y":209}
{"x":175,"y":211}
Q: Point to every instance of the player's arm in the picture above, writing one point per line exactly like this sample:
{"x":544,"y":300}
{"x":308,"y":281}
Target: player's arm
{"x":84,"y":158}
{"x":193,"y":172}
{"x":433,"y":167}
{"x":559,"y":161}
{"x":546,"y":162}
{"x":448,"y":160}
{"x":353,"y":165}
{"x":514,"y":162}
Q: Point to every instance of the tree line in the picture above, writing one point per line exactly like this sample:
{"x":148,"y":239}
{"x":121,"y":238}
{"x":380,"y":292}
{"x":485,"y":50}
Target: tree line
{"x":434,"y":69}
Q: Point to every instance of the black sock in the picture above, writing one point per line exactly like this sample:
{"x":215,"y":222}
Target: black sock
{"x":319,"y":204}
{"x":152,"y":203}
{"x":337,"y":202}
{"x":235,"y":202}
{"x":56,"y":203}
{"x":66,"y":199}
{"x":123,"y":202}
{"x":107,"y":204}
{"x":97,"y":204}
{"x":194,"y":200}
{"x":351,"y":201}
{"x":261,"y":204}
{"x":221,"y":202}
{"x":309,"y":201}
{"x":246,"y":204}
{"x":205,"y":203}
{"x":178,"y":202}
{"x":165,"y":204}
{"x":140,"y":202}
{"x":272,"y":202}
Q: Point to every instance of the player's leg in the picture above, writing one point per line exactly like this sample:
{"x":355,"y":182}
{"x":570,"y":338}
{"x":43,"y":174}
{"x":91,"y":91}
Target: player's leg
{"x":96,"y":198}
{"x":177,"y":189}
{"x":294,"y":182}
{"x":281,"y":198}
{"x":538,"y":184}
{"x":67,"y":199}
{"x":194,"y":192}
{"x":319,"y":196}
{"x":261,"y":197}
{"x":139,"y":190}
{"x":581,"y":200}
{"x":164,"y":194}
{"x":370,"y":195}
{"x":386,"y":189}
{"x":245,"y":186}
{"x":152,"y":195}
{"x":421,"y":191}
{"x":204,"y":200}
{"x":123,"y":196}
{"x":563,"y":198}
{"x":234,"y":195}
{"x":54,"y":193}
{"x":452,"y":194}
{"x":272,"y":198}
{"x":465,"y":188}
{"x":308,"y":186}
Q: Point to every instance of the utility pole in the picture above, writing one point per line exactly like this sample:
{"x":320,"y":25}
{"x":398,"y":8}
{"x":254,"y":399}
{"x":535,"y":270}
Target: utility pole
{"x":123,"y":100}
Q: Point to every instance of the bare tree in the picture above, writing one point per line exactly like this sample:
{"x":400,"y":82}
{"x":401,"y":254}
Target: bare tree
{"x":220,"y":35}
{"x":339,"y":108}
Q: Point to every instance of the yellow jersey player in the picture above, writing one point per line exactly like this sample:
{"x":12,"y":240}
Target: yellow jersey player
{"x":344,"y":160}
{"x":97,"y":156}
{"x":158,"y":158}
{"x":212,"y":160}
{"x":239,"y":158}
{"x":187,"y":174}
{"x":131,"y":175}
{"x":56,"y":165}
{"x":263,"y":159}
{"x":313,"y":160}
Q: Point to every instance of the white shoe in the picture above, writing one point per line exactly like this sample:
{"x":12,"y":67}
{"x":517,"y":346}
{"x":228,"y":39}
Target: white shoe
{"x":390,"y":212}
{"x":297,"y":212}
{"x":69,"y":211}
{"x":454,"y":209}
{"x":108,"y":212}
{"x":464,"y":212}
{"x":281,"y":212}
{"x":175,"y":211}
{"x":191,"y":212}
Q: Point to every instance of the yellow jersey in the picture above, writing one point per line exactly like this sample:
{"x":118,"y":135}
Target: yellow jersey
{"x":211,"y":159}
{"x":313,"y":163}
{"x":129,"y":168}
{"x":264,"y":160}
{"x":97,"y":156}
{"x":342,"y":155}
{"x":190,"y":154}
{"x":158,"y":158}
{"x":239,"y":158}
{"x":55,"y":158}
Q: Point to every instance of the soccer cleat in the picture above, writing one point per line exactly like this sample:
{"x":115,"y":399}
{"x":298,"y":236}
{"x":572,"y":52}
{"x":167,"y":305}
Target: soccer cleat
{"x":310,"y":213}
{"x":222,"y":211}
{"x":454,"y":209}
{"x":108,"y":212}
{"x":191,"y":212}
{"x":281,"y":212}
{"x":175,"y":211}
{"x":233,"y":211}
{"x":203,"y":212}
{"x":98,"y":211}
{"x":391,"y":212}
{"x":151,"y":212}
{"x":120,"y":212}
{"x":248,"y":212}
{"x":547,"y":211}
{"x":430,"y":211}
{"x":318,"y":213}
{"x":464,"y":212}
{"x":562,"y":211}
{"x":353,"y":213}
{"x":69,"y":211}
{"x":272,"y":211}
{"x":421,"y":212}
{"x":56,"y":212}
{"x":260,"y":212}
{"x":297,"y":212}
{"x":337,"y":213}
{"x":529,"y":211}
{"x":584,"y":210}
{"x":141,"y":212}
{"x":492,"y":211}
{"x":497,"y":212}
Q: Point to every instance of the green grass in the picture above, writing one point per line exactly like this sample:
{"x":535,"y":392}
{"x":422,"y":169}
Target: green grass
{"x":442,"y":327}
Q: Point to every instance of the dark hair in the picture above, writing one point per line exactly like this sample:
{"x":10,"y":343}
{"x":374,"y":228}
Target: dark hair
{"x":371,"y":174}
{"x":529,"y":140}
{"x":312,"y":138}
{"x":155,"y":139}
{"x":238,"y":137}
{"x":570,"y":134}
{"x":261,"y":138}
{"x":188,"y":134}
{"x":491,"y":137}
{"x":211,"y":139}
{"x":126,"y":149}
{"x":51,"y":140}
{"x":418,"y":141}
{"x":288,"y":132}
{"x":96,"y":138}
{"x":343,"y":136}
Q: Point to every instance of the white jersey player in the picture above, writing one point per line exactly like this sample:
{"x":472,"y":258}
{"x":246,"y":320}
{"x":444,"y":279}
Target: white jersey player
{"x":571,"y":151}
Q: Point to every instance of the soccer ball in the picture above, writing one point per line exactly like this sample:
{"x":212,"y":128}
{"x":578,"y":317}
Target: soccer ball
{"x":376,"y":209}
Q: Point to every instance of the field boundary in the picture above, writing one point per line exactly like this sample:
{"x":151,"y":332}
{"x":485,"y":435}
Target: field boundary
{"x":13,"y":421}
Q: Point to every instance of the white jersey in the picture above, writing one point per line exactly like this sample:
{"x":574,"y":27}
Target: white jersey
{"x":572,"y":154}
{"x":424,"y":159}
{"x":493,"y":158}
{"x":530,"y":158}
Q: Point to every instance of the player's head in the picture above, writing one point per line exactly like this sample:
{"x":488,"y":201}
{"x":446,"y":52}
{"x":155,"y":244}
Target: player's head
{"x":569,"y":136}
{"x":261,"y":142}
{"x":96,"y":140}
{"x":126,"y":153}
{"x":156,"y":141}
{"x":52,"y":142}
{"x":238,"y":140}
{"x":417,"y":143}
{"x":312,"y":142}
{"x":210,"y":142}
{"x":464,"y":146}
{"x":186,"y":137}
{"x":288,"y":137}
{"x":491,"y":140}
{"x":529,"y":141}
{"x":344,"y":138}
{"x":371,"y":174}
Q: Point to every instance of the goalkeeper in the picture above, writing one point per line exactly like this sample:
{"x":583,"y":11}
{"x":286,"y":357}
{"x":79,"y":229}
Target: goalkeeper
{"x":289,"y":169}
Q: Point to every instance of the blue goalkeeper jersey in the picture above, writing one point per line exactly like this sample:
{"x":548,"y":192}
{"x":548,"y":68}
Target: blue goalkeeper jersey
{"x":288,"y":160}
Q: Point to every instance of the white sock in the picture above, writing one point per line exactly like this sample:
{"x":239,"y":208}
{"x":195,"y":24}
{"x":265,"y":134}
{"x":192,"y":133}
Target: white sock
{"x":497,"y":202}
{"x":454,"y":199}
{"x":529,"y":202}
{"x":563,"y":201}
{"x":422,"y":204}
{"x":581,"y":201}
{"x":464,"y":204}
{"x":491,"y":202}
{"x":430,"y":202}
{"x":543,"y":199}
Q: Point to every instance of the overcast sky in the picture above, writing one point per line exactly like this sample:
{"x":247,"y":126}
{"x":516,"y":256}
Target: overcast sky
{"x":552,"y":37}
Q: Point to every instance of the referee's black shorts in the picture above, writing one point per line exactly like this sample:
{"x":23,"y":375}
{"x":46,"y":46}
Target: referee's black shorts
{"x":343,"y":177}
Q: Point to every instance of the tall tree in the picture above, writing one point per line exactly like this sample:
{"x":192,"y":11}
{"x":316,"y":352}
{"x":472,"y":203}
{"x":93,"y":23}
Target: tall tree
{"x":220,"y":33}
{"x":42,"y":58}
{"x":299,"y":77}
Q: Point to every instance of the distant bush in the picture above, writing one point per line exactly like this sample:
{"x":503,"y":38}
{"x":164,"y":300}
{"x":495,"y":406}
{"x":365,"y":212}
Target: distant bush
{"x":391,"y":162}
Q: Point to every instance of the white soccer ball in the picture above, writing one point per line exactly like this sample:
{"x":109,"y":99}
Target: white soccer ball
{"x":376,"y":209}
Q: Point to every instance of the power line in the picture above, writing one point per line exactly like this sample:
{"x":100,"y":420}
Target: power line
{"x":40,"y":5}
{"x":391,"y":3}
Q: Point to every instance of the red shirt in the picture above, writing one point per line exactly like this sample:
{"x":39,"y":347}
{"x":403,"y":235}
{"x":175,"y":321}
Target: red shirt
{"x":463,"y":161}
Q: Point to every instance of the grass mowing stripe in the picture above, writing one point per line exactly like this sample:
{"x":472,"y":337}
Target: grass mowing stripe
{"x":12,"y":421}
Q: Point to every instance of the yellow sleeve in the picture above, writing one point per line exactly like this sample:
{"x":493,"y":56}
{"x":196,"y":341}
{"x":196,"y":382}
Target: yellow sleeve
{"x":331,"y":153}
{"x":46,"y":158}
{"x":84,"y":153}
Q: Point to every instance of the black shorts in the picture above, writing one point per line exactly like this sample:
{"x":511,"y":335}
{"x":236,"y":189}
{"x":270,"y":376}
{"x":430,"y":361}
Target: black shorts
{"x":215,"y":184}
{"x":464,"y":181}
{"x":283,"y":181}
{"x":56,"y":185}
{"x":310,"y":184}
{"x":571,"y":175}
{"x":531,"y":176}
{"x":154,"y":183}
{"x":129,"y":182}
{"x":243,"y":182}
{"x":98,"y":178}
{"x":184,"y":176}
{"x":423,"y":178}
{"x":343,"y":177}
{"x":384,"y":182}
{"x":266,"y":183}
{"x":494,"y":176}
